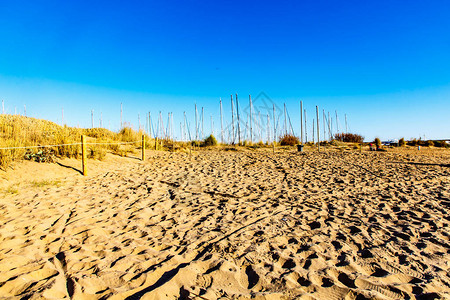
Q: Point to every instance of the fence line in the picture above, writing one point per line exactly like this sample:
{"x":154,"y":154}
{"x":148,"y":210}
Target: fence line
{"x":48,"y":146}
{"x":83,"y":148}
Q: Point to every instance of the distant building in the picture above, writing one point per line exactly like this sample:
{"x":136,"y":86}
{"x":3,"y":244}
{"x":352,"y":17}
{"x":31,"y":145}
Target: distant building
{"x":390,"y":143}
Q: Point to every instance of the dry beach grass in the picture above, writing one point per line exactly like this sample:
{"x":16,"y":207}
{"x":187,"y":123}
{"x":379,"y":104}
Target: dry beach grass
{"x":230,"y":224}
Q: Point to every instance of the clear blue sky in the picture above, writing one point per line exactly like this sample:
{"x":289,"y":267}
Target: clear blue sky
{"x":386,"y":64}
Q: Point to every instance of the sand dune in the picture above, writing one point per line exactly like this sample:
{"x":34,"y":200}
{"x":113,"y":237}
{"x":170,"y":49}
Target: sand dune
{"x":226,"y":224}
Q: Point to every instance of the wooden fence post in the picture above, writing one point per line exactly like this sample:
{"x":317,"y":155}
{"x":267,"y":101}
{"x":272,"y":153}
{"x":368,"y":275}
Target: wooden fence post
{"x":83,"y":154}
{"x":143,"y":147}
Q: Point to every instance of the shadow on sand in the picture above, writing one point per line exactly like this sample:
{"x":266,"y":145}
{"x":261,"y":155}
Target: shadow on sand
{"x":422,"y":164}
{"x":69,"y":167}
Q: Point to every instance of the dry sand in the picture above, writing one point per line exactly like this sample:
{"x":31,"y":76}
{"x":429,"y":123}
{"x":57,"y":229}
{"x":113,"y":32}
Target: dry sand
{"x":226,"y":224}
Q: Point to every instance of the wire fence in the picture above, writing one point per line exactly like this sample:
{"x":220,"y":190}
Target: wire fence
{"x":60,"y":145}
{"x":83,"y":145}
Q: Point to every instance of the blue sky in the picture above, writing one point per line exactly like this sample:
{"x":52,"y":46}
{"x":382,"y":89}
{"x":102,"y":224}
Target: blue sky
{"x":385,"y":64}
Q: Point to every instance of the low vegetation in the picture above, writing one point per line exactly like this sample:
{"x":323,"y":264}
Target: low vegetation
{"x":20,"y":131}
{"x":45,"y":183}
{"x":427,"y":143}
{"x":210,"y":141}
{"x":289,"y":140}
{"x":349,"y":137}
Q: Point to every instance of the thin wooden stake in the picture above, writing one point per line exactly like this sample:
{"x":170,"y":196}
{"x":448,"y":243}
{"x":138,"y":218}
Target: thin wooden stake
{"x":83,"y":155}
{"x":143,"y":147}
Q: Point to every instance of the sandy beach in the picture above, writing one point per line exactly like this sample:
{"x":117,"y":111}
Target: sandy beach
{"x":229,"y":225}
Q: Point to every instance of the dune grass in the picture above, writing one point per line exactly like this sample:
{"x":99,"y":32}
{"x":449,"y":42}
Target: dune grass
{"x":20,"y":131}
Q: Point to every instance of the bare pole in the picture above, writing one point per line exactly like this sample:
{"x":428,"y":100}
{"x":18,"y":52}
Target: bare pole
{"x":337,"y":122}
{"x":146,"y":124}
{"x":92,"y":118}
{"x":329,"y":126}
{"x":285,"y":120}
{"x":324,"y":130}
{"x":101,"y":119}
{"x":185,"y":136}
{"x":212,"y":126}
{"x":170,"y":126}
{"x":274,"y":124}
{"x":149,"y":124}
{"x":139,"y":122}
{"x":260,"y":125}
{"x":301,"y":122}
{"x":221,"y":121}
{"x":232,"y":120}
{"x":24,"y":110}
{"x":268,"y":129}
{"x":203,"y":115}
{"x":238,"y":120}
{"x":168,"y":129}
{"x":121,"y":123}
{"x":306,"y":128}
{"x":331,"y":122}
{"x":318,"y":131}
{"x":246,"y":127}
{"x":196,"y":122}
{"x":346,"y":128}
{"x":251,"y":117}
{"x":314,"y":141}
{"x":160,"y":125}
{"x":186,"y":126}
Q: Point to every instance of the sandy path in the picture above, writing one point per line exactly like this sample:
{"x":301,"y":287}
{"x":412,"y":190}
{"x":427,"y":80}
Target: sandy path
{"x":234,"y":224}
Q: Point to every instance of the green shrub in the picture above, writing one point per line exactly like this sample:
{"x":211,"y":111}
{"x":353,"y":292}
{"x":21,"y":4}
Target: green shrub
{"x":210,"y":141}
{"x":401,"y":142}
{"x":429,"y":143}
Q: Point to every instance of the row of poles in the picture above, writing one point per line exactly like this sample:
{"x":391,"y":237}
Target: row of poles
{"x":234,"y":132}
{"x":15,"y":109}
{"x":253,"y":125}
